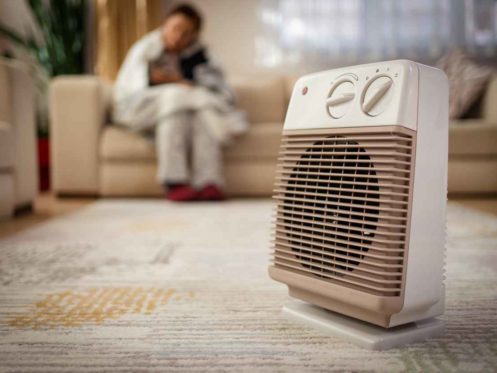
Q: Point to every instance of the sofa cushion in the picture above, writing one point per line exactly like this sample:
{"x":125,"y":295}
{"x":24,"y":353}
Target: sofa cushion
{"x":7,"y":194}
{"x":260,"y":142}
{"x":263,"y":99}
{"x":472,"y":137}
{"x":122,"y":179}
{"x":7,"y":150}
{"x":249,"y":178}
{"x":119,"y":143}
{"x":243,"y":178}
{"x":472,"y":175}
{"x":5,"y":94}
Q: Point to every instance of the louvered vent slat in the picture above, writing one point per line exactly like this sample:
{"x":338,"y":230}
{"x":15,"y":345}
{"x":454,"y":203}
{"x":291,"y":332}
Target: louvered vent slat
{"x":326,"y":247}
{"x":343,"y":267}
{"x":288,"y":148}
{"x":339,"y":152}
{"x":356,"y":244}
{"x":343,"y":204}
{"x":336,"y":222}
{"x":334,"y":215}
{"x":341,"y":261}
{"x":338,"y":232}
{"x":314,"y":188}
{"x":393,"y":221}
{"x":339,"y":246}
{"x":378,"y":169}
{"x":380,"y":185}
{"x":371,"y":260}
{"x":319,"y":201}
{"x":363,"y":139}
{"x":378,"y":160}
{"x":363,"y":285}
{"x":367,"y":201}
{"x":379,"y":175}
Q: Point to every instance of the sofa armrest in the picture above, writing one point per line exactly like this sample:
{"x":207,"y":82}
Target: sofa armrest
{"x":19,"y":89}
{"x":78,"y":108}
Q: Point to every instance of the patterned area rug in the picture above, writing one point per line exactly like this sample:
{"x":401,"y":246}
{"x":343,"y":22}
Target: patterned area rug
{"x":143,"y":285}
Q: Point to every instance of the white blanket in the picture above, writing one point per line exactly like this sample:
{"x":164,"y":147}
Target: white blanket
{"x":141,"y":107}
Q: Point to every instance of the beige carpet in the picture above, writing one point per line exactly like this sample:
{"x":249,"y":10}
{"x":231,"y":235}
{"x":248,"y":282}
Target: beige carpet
{"x":143,"y":285}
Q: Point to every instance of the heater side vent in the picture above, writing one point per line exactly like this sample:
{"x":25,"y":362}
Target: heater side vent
{"x":343,"y":206}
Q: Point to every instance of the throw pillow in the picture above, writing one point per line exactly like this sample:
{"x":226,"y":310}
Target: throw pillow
{"x":467,"y":80}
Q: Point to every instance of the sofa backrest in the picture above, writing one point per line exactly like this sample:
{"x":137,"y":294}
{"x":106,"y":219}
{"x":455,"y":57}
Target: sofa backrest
{"x":265,"y":99}
{"x":5,"y":93}
{"x":17,"y":91}
{"x":262,"y":98}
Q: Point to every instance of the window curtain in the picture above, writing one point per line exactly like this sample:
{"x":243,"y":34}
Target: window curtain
{"x":323,"y":33}
{"x":119,"y":23}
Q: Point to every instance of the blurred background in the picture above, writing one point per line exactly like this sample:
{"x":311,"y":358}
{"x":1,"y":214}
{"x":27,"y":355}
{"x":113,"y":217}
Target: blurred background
{"x":263,"y":46}
{"x":251,"y":36}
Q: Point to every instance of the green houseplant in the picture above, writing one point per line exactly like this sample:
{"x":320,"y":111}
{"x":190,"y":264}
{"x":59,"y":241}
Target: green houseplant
{"x":56,"y":48}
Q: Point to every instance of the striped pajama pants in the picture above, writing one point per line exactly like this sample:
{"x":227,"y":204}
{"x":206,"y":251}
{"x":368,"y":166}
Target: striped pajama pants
{"x":187,"y":152}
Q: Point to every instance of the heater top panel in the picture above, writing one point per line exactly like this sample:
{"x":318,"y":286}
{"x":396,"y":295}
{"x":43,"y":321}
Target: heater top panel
{"x":375,"y":94}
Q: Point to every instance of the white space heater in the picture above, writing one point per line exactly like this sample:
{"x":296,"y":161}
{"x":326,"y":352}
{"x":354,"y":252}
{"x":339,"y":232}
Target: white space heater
{"x":361,"y":191}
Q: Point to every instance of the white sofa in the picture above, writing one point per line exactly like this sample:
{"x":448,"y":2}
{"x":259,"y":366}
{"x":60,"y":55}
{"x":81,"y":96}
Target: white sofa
{"x":91,"y":156}
{"x":18,"y":167}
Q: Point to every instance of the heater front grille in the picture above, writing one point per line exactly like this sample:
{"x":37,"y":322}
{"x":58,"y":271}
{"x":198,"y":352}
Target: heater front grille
{"x":343,"y":200}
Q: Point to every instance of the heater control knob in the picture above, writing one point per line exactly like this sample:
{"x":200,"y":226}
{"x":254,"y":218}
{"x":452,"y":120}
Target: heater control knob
{"x":340,"y":98}
{"x":377,"y":95}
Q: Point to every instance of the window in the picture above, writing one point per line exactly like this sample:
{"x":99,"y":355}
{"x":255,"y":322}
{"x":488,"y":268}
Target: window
{"x":323,"y":33}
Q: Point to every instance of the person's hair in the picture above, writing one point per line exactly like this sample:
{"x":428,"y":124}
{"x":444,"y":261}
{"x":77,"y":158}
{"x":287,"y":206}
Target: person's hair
{"x":189,"y":12}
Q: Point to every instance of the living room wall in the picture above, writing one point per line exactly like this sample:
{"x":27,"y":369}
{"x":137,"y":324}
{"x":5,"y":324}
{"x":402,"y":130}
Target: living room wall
{"x":230,"y":32}
{"x":291,"y":36}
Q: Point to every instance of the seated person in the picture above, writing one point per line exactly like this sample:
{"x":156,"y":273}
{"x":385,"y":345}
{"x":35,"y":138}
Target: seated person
{"x":168,"y":87}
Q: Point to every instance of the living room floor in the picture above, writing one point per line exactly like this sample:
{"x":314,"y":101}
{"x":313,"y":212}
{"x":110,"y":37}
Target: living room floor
{"x":47,"y":206}
{"x":116,"y":284}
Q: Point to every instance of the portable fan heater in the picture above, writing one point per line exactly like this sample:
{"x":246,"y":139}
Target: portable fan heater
{"x":361,"y":192}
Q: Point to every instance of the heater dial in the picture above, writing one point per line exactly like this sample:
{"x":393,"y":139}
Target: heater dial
{"x":377,"y":95}
{"x":340,"y":98}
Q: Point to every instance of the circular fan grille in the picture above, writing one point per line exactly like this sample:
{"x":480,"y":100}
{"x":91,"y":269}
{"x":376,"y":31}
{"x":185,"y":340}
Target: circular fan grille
{"x":336,"y":180}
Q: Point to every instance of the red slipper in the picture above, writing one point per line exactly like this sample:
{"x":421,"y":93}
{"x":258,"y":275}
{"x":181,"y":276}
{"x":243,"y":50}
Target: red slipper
{"x":211,"y":193}
{"x":182,"y":193}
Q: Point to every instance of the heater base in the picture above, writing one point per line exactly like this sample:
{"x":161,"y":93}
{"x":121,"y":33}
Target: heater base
{"x":359,"y":332}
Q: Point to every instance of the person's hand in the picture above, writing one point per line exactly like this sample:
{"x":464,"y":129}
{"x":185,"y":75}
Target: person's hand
{"x":159,"y":76}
